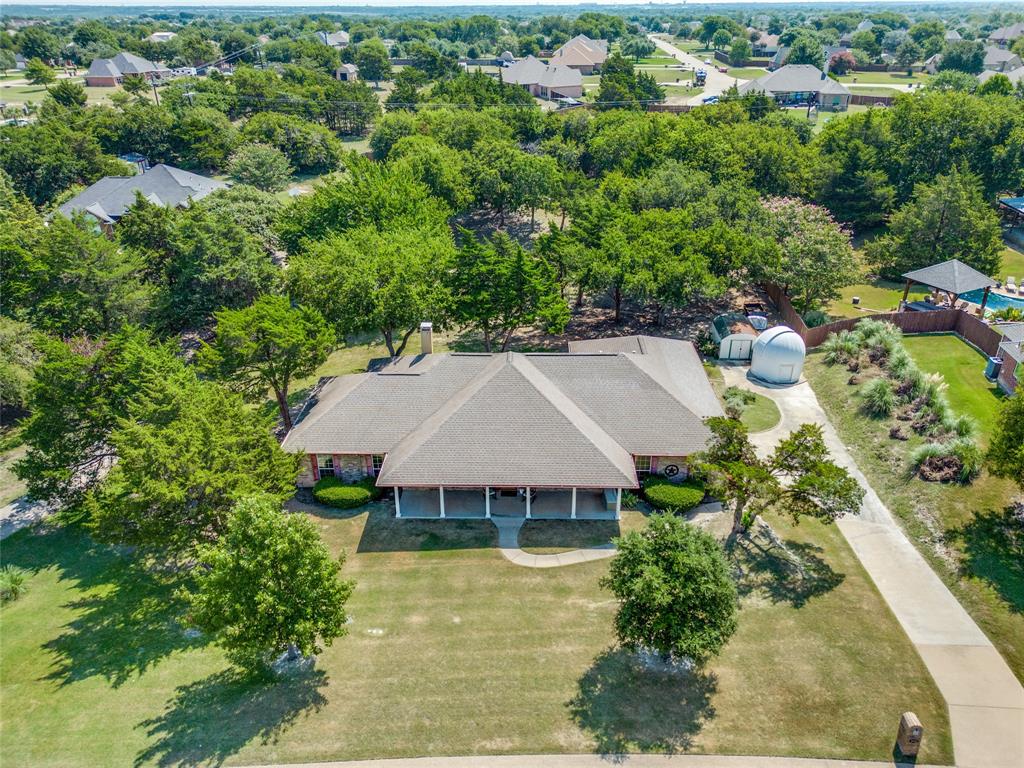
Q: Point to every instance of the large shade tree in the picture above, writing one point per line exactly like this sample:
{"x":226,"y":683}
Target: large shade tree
{"x":187,"y":451}
{"x":267,"y":345}
{"x":675,"y":591}
{"x":498,"y":287}
{"x":817,"y":254}
{"x":386,"y":282}
{"x":269,"y":585}
{"x":814,"y":486}
{"x":948,"y":218}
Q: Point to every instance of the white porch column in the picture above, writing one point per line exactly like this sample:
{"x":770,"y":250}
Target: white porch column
{"x":618,"y":502}
{"x":527,"y":502}
{"x":573,"y":515}
{"x":440,"y":490}
{"x":398,"y":504}
{"x":487,"y":502}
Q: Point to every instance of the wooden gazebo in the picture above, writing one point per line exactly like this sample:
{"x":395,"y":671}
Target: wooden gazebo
{"x":952,"y":277}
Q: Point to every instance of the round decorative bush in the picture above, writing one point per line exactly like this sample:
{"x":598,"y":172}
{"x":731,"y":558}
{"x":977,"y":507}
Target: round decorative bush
{"x":335,"y":492}
{"x":673,"y":497}
{"x":814,"y":318}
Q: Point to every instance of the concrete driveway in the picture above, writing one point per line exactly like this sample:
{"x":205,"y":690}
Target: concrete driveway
{"x":716,"y":83}
{"x":985,"y":700}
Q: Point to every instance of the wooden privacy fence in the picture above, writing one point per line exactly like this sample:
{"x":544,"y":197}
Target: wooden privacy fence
{"x":968,"y":327}
{"x":863,"y":98}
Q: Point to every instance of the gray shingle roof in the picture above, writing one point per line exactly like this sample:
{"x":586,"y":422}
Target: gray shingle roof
{"x":516,"y":419}
{"x":794,"y":78}
{"x":952,"y":276}
{"x":123,"y":64}
{"x":110,"y":197}
{"x":1013,"y":344}
{"x":533,"y":71}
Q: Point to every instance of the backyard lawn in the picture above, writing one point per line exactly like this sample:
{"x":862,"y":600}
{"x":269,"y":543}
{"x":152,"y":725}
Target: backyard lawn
{"x":895,"y":78}
{"x":961,"y":530}
{"x":876,"y":296}
{"x":747,"y":73}
{"x":451,"y":650}
{"x":963,"y":368}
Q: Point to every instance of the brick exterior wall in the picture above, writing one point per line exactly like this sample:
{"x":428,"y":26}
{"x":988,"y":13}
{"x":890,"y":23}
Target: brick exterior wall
{"x":658,"y":464}
{"x":348,"y":466}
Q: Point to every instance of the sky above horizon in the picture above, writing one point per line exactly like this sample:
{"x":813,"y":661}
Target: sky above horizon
{"x":435,"y":3}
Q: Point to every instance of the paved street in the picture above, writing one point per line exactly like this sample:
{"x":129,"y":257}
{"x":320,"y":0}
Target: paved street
{"x":716,"y":82}
{"x":603,"y":761}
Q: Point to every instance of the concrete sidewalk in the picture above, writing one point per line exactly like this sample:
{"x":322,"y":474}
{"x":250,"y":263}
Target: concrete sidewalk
{"x":508,"y":542}
{"x":602,"y":761}
{"x":985,"y":699}
{"x":21,"y":513}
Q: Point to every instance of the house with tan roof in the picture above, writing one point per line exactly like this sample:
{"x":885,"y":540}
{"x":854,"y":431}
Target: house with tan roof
{"x":545,"y":81}
{"x":582,"y":54}
{"x":552,"y":435}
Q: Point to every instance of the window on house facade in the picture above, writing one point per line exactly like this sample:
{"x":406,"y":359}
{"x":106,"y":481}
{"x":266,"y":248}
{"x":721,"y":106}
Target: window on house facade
{"x":376,"y":461}
{"x":325,"y":465}
{"x":642,"y":463}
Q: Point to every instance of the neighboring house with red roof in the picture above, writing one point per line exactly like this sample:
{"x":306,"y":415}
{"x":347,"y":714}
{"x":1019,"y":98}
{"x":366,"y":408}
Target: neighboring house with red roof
{"x":582,"y":54}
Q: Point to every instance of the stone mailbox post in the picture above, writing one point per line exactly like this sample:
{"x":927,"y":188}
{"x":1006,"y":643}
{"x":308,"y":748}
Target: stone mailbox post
{"x":909,"y":737}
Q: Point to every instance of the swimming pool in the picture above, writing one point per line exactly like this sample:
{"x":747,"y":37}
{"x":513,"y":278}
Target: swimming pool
{"x":995,"y":301}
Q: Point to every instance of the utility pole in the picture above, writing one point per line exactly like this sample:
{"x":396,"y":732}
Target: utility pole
{"x":155,"y":94}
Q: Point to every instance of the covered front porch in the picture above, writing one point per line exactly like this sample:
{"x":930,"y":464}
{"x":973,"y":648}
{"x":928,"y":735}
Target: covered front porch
{"x":528,"y":503}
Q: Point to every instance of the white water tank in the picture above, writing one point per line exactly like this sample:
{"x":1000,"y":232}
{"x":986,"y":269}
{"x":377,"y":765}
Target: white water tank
{"x":778,"y":356}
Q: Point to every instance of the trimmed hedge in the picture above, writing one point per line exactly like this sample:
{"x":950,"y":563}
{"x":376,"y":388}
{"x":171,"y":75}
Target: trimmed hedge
{"x":663,"y":494}
{"x":335,"y":492}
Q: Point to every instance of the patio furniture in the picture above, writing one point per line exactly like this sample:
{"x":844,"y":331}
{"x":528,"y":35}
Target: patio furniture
{"x":1011,"y":285}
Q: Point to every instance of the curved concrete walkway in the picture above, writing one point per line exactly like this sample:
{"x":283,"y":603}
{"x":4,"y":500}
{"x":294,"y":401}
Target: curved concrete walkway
{"x":600,"y":761}
{"x":985,"y":699}
{"x":508,"y":542}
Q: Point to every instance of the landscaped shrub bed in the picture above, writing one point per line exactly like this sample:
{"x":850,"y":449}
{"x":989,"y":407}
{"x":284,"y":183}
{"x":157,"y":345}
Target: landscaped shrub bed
{"x":663,"y":494}
{"x":891,"y":384}
{"x":335,"y":492}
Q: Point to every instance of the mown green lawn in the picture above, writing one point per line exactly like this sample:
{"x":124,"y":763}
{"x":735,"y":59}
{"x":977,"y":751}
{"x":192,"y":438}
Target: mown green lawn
{"x":747,"y":73}
{"x":896,"y":78}
{"x":19,"y":94}
{"x":451,"y":650}
{"x":876,"y":296}
{"x":961,"y":530}
{"x":872,"y":90}
{"x":963,"y":368}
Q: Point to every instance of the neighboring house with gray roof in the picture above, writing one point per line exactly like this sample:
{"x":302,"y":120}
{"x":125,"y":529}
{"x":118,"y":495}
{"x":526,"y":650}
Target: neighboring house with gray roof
{"x":1015,"y":76}
{"x":107,"y":200}
{"x":536,"y":434}
{"x":108,"y":73}
{"x":546,"y":81}
{"x":338,"y":39}
{"x":800,"y":84}
{"x":1005,"y":36}
{"x":1012,"y":351}
{"x":1001,"y":60}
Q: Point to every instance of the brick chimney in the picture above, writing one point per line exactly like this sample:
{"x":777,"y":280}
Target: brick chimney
{"x":426,"y":338}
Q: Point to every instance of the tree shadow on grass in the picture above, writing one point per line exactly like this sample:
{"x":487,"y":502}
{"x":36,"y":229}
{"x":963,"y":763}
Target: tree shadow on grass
{"x":127,"y":618}
{"x":626,"y":706}
{"x":993,"y":551}
{"x":208,"y":721}
{"x":781,"y":571}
